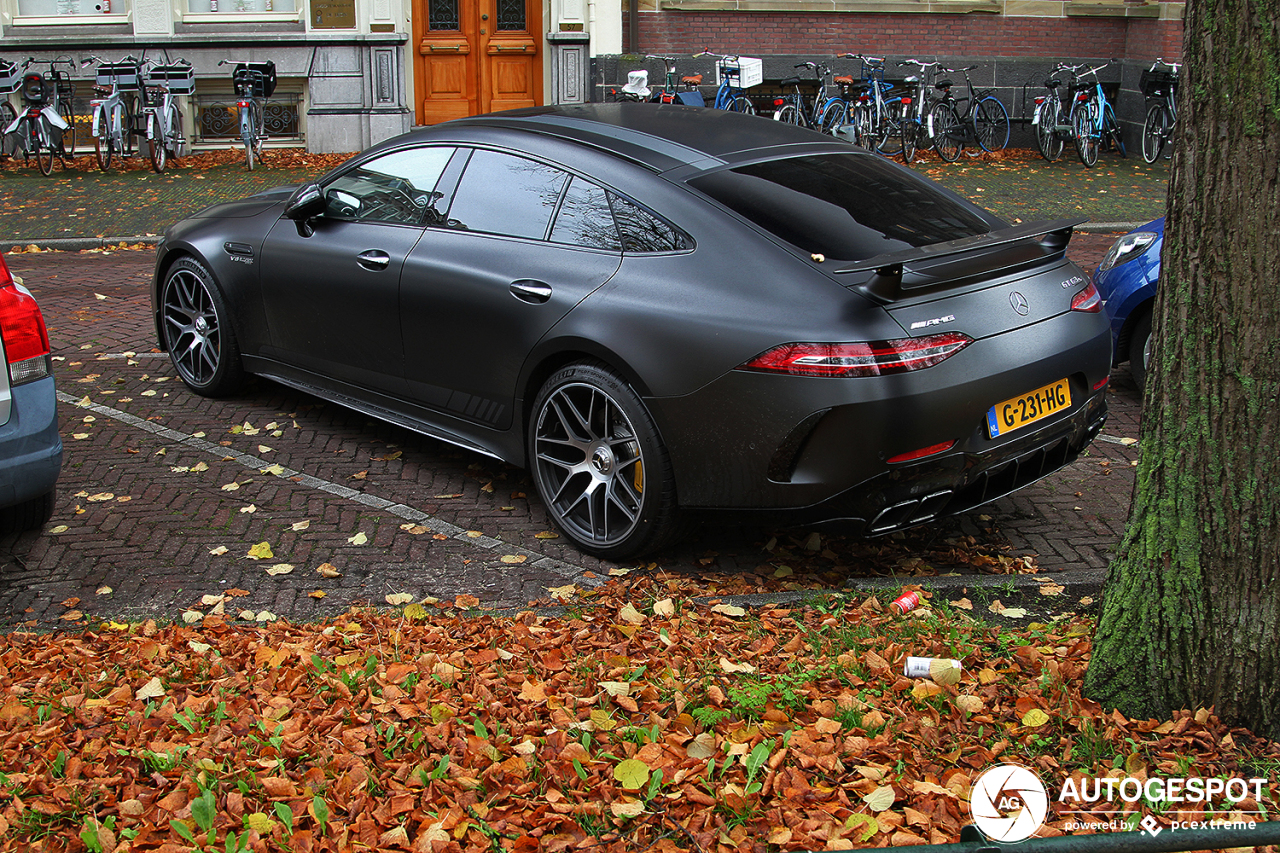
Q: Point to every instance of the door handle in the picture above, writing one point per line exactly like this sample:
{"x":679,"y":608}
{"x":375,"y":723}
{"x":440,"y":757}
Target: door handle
{"x":446,"y":48}
{"x":373,"y":259}
{"x":528,"y":290}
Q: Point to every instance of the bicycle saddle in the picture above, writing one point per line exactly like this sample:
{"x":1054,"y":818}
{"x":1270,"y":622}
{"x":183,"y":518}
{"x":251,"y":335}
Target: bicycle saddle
{"x":844,"y":80}
{"x":943,"y":85}
{"x":692,"y":80}
{"x":790,"y":81}
{"x":1052,"y":84}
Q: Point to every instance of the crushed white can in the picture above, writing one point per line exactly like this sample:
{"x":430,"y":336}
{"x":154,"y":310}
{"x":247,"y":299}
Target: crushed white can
{"x":941,"y":670}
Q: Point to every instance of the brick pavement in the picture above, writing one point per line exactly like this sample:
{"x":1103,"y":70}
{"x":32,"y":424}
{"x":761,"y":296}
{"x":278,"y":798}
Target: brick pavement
{"x":181,"y":484}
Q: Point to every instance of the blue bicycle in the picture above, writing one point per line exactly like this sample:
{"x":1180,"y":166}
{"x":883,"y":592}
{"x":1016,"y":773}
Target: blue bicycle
{"x":1094,"y":121}
{"x":730,"y":95}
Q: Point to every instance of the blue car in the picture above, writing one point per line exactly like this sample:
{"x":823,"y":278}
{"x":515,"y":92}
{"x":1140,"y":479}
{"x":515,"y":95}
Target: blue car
{"x":1127,"y":279}
{"x":30,"y":447}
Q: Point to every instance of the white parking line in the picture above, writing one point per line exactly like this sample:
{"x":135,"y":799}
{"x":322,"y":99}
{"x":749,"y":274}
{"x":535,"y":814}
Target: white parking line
{"x":408,"y":513}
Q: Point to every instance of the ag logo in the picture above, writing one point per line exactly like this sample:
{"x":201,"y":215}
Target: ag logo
{"x":1008,"y":803}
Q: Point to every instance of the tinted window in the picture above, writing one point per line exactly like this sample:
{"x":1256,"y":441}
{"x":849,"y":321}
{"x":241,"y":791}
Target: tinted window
{"x":502,"y":194}
{"x":845,"y":206}
{"x":644,"y":232}
{"x":585,"y":219}
{"x":398,"y":187}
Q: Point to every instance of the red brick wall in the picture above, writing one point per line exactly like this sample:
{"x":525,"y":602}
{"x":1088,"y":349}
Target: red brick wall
{"x":972,"y":35}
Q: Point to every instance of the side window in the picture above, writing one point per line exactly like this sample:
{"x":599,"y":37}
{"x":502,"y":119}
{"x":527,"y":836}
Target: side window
{"x":585,"y":219}
{"x":642,"y":231}
{"x":503,"y":194}
{"x":398,"y":187}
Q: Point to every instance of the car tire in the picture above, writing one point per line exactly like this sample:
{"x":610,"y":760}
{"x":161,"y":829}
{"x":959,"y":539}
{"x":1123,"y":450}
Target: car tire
{"x":28,"y":515}
{"x":599,"y":464}
{"x":197,"y":331}
{"x":1140,"y":351}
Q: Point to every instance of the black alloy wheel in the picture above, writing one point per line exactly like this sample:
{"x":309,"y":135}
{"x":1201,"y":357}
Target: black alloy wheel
{"x":197,"y":334}
{"x":600,"y":465}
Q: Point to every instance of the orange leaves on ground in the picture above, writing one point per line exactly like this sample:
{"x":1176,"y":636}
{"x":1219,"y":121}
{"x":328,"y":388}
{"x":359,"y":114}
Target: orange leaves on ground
{"x":651,"y":719}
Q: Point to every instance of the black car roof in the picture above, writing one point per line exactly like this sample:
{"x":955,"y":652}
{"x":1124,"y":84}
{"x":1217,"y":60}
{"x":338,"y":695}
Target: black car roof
{"x":660,"y":136}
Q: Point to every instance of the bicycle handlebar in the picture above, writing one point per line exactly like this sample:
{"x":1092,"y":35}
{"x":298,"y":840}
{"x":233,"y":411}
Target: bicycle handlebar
{"x":1174,"y":65}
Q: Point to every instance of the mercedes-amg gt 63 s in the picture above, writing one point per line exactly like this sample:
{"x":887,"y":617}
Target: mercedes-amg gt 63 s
{"x":658,"y":309}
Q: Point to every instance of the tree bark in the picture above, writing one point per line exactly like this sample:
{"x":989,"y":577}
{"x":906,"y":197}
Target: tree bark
{"x":1191,"y":607}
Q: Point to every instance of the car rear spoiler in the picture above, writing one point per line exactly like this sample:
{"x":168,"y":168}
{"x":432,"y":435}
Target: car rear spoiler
{"x":911,"y":272}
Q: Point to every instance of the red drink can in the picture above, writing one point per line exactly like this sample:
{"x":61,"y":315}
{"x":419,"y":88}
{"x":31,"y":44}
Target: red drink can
{"x":906,"y":601}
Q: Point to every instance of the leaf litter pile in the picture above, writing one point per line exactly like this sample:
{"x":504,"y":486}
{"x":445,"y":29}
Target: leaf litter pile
{"x":644,"y":716}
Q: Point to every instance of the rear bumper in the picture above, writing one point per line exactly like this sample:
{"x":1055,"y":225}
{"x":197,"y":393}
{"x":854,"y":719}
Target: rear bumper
{"x":30,"y":446}
{"x":931,"y":489}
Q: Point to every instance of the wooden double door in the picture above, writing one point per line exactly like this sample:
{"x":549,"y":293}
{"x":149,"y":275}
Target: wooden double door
{"x":476,"y":56}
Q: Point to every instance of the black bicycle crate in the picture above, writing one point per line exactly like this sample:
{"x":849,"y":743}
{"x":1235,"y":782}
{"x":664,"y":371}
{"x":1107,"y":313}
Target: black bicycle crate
{"x":1156,"y":83}
{"x":178,"y":79}
{"x":261,"y":76}
{"x":10,"y":77}
{"x":123,"y":75}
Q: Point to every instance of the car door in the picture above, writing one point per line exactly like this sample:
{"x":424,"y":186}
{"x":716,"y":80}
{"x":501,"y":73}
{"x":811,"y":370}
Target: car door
{"x":522,"y":245}
{"x":331,"y":289}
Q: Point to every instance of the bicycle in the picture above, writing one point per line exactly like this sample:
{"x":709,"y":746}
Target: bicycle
{"x":730,"y":94}
{"x":1162,"y":86}
{"x":114,"y":114}
{"x":825,"y":113}
{"x":254,"y":83}
{"x":984,"y":119}
{"x":39,"y":129}
{"x":163,"y":121}
{"x":690,"y":95}
{"x":1094,"y":120}
{"x":1052,"y":118}
{"x":876,"y":119}
{"x":916,"y":128}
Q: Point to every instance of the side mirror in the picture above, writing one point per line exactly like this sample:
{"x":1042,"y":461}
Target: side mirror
{"x":306,"y":203}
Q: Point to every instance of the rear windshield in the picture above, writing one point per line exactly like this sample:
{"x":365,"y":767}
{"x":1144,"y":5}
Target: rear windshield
{"x":845,"y":206}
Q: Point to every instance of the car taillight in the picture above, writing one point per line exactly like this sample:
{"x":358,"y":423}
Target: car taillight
{"x":26,"y":343}
{"x":870,"y":358}
{"x":1087,"y":300}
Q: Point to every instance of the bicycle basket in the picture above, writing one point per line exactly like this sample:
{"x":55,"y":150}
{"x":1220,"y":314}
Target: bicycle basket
{"x":10,"y":78}
{"x":121,"y":74}
{"x":178,"y":79}
{"x":748,"y":70}
{"x":1156,"y":83}
{"x":260,"y":76}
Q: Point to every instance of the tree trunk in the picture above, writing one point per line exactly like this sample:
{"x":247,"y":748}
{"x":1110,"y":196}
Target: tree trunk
{"x":1191,"y":608}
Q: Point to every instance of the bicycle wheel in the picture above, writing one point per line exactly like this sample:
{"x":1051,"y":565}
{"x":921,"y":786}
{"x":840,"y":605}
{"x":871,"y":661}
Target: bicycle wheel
{"x":42,"y":143}
{"x":911,"y":133}
{"x":833,"y":116}
{"x":991,"y":124}
{"x":1047,"y":138}
{"x":1087,"y":140}
{"x":1111,"y":131}
{"x":1154,"y":132}
{"x":789,"y":114}
{"x":249,"y":133}
{"x":68,"y":147}
{"x":948,"y":135}
{"x":128,"y":116}
{"x":175,"y":141}
{"x":742,"y":104}
{"x":889,"y":138}
{"x":157,"y":142}
{"x":8,"y":144}
{"x":103,"y":143}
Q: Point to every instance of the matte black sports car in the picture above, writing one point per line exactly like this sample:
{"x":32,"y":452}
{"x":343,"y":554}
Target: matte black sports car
{"x":658,"y":309}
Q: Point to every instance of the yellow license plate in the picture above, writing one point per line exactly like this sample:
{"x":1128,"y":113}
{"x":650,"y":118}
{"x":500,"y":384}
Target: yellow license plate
{"x":1004,"y":418}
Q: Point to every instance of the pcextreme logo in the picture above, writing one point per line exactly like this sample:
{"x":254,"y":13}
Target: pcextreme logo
{"x":1008,"y":803}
